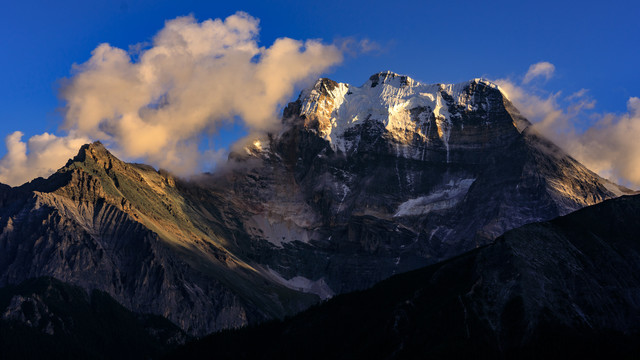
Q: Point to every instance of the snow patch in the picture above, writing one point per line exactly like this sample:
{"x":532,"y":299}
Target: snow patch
{"x":615,"y":189}
{"x":443,"y":122}
{"x":444,"y":197}
{"x":302,"y":284}
{"x":345,"y":192}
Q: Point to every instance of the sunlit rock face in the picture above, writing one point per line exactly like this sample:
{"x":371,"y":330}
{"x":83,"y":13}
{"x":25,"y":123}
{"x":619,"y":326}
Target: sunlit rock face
{"x":364,"y":182}
{"x":134,"y":233}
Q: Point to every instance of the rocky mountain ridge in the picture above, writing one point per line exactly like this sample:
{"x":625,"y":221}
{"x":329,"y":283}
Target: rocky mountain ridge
{"x":129,"y":231}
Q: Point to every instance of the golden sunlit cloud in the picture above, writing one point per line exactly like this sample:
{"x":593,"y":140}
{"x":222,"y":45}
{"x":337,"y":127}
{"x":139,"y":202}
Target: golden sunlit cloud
{"x":193,"y":78}
{"x":609,"y":146}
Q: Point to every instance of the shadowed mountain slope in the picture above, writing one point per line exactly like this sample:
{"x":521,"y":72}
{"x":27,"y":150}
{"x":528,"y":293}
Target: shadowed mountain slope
{"x":366,"y":182}
{"x":568,"y":287}
{"x":45,"y":318}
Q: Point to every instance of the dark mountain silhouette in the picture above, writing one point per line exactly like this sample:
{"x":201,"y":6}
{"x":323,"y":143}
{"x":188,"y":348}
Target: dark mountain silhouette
{"x":44,"y":318}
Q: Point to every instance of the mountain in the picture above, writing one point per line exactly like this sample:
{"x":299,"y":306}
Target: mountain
{"x":129,"y":230}
{"x":568,"y":287}
{"x":364,"y":182}
{"x":360,"y":183}
{"x":45,"y":318}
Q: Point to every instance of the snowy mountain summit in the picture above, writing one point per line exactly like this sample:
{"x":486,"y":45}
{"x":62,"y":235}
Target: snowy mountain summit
{"x":364,"y":182}
{"x":408,"y":110}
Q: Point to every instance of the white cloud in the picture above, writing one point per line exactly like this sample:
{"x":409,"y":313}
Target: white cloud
{"x":46,"y":154}
{"x":157,"y":104}
{"x":540,"y":109}
{"x":194,"y":76}
{"x":541,"y":69}
{"x":609,"y":146}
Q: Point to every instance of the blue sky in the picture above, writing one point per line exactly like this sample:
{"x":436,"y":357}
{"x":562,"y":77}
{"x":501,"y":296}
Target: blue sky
{"x":593,"y":46}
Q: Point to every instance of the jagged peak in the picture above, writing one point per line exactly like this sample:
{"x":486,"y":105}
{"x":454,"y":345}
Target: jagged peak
{"x":97,"y":157}
{"x":405,"y":87}
{"x":327,"y":87}
{"x":96,"y":151}
{"x":399,"y":80}
{"x":487,"y":83}
{"x":483,"y":81}
{"x":324,"y":86}
{"x":387,"y":97}
{"x":96,"y":148}
{"x":389,"y":77}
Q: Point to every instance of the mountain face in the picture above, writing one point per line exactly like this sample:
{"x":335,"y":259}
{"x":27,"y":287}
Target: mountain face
{"x":564,"y":288}
{"x":364,"y":182}
{"x":360,"y":183}
{"x":130,"y":231}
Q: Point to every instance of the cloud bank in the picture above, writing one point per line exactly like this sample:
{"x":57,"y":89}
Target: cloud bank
{"x":605,"y":143}
{"x":612,"y":147}
{"x":156,"y":103}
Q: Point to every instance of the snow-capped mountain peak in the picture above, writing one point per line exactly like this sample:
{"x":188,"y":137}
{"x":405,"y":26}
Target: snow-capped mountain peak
{"x":402,"y":105}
